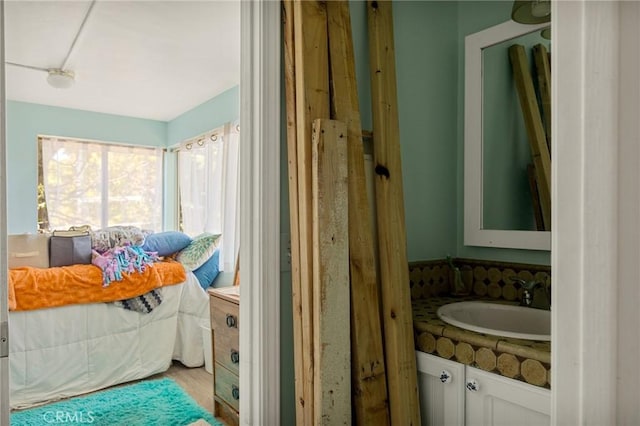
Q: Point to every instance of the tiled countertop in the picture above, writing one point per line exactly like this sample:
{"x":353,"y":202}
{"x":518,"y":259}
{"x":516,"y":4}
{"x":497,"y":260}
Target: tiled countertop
{"x":525,"y":360}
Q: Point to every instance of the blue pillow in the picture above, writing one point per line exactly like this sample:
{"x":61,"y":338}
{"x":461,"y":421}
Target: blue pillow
{"x":209,"y":270}
{"x":166,"y":243}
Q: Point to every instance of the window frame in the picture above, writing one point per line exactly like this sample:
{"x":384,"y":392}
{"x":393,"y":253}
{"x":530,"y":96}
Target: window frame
{"x":43,"y":223}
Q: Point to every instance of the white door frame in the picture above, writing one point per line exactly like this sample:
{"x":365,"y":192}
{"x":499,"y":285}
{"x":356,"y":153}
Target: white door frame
{"x":4,"y":361}
{"x":260,"y":143}
{"x":595,"y":206}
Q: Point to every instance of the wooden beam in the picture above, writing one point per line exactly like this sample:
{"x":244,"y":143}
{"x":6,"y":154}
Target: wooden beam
{"x":312,"y":102}
{"x":332,"y":384}
{"x":292,"y":163}
{"x":535,"y":197}
{"x":543,"y":71}
{"x":367,"y":356}
{"x":535,"y":129}
{"x":396,"y":297}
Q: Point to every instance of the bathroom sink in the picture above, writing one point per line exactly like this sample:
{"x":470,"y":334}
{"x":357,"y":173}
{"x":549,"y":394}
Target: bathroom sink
{"x":499,"y":319}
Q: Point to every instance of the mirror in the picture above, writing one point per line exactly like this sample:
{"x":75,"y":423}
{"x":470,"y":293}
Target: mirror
{"x":498,"y":205}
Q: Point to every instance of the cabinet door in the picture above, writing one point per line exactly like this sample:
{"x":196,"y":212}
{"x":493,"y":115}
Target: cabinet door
{"x":441,"y":389}
{"x":495,"y":400}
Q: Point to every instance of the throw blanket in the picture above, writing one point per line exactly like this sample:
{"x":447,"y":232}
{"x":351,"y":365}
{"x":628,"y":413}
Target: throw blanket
{"x":114,"y":262}
{"x":143,"y":304}
{"x":34,"y":288}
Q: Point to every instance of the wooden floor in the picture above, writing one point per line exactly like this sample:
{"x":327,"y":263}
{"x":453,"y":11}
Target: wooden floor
{"x":196,"y":381}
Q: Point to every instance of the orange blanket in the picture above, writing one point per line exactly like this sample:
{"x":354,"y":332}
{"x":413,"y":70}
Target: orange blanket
{"x":35,"y":288}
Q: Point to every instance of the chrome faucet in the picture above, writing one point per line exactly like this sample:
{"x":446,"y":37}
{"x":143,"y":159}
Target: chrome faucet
{"x":530,"y":297}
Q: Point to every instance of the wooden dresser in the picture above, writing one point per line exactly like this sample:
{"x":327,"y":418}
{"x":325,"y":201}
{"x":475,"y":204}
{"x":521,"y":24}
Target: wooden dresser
{"x":225,"y":323}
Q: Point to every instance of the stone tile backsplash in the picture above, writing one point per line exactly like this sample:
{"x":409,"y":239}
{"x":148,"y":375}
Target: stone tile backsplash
{"x":482,"y":278}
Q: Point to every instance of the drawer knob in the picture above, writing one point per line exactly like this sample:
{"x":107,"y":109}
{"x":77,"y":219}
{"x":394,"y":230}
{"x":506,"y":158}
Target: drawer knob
{"x":231,"y":321}
{"x":473,"y":385}
{"x":235,"y":356}
{"x":445,"y":376}
{"x":235,"y":392}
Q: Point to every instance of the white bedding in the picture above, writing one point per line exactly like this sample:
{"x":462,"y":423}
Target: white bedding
{"x":60,"y":352}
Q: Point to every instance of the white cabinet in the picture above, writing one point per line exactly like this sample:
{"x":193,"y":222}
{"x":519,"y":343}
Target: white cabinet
{"x":498,"y":400}
{"x":454,"y":394}
{"x":441,"y":388}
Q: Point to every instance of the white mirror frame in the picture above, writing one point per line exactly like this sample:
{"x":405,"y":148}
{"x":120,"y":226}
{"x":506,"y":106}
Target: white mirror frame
{"x":474,"y":233}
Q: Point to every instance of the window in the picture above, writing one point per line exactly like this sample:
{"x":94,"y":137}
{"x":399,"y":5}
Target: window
{"x":98,"y":184}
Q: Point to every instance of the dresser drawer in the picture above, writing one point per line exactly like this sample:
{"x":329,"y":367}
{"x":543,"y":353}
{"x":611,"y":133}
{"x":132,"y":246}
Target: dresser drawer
{"x":224,"y":322}
{"x":225,"y":347}
{"x":226,"y":386}
{"x":224,"y":314}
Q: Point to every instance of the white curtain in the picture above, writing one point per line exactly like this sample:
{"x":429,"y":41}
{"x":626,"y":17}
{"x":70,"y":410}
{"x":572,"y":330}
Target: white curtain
{"x":208,"y":184}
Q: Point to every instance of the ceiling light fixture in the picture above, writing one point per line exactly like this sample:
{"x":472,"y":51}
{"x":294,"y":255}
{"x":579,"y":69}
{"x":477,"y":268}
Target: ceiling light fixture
{"x":60,"y":79}
{"x":531,"y":11}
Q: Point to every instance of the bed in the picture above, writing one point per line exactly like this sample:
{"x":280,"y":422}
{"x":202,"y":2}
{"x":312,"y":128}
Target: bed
{"x":58,"y":352}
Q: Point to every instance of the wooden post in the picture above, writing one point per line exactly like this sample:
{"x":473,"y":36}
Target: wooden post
{"x":396,"y":298}
{"x":292,"y":162}
{"x":535,"y":130}
{"x":332,"y":384}
{"x":535,"y":197}
{"x":367,"y":371}
{"x":312,"y":102}
{"x":543,"y":70}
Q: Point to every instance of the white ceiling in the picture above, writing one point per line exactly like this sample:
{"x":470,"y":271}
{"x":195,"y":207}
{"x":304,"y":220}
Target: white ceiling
{"x":147,"y":59}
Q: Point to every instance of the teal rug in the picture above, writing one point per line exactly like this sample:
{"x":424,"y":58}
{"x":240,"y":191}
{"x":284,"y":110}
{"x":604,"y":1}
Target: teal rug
{"x":149,"y":403}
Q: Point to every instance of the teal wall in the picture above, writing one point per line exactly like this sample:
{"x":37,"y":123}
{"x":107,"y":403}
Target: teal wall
{"x":207,"y":116}
{"x":426,"y":62}
{"x":426,"y":68}
{"x":25,"y":121}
